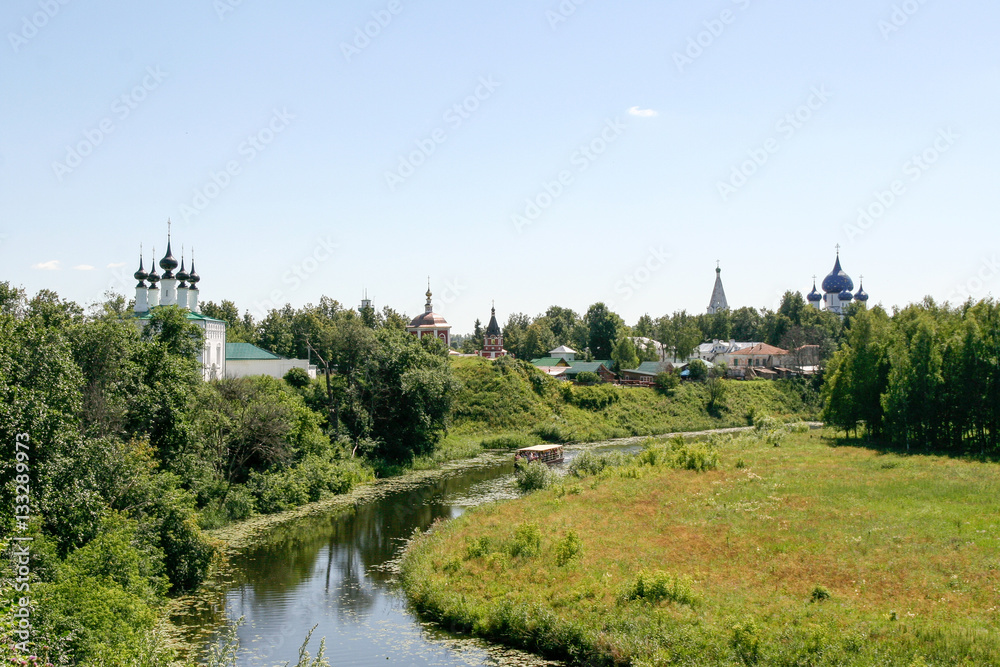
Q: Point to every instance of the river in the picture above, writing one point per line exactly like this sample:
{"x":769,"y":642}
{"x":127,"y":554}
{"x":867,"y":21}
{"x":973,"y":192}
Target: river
{"x":336,"y":571}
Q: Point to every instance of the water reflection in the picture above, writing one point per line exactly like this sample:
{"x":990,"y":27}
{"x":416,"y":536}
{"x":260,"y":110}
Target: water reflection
{"x":334,"y":571}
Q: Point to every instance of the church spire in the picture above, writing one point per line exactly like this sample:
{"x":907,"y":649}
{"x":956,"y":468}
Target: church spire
{"x":718,"y":301}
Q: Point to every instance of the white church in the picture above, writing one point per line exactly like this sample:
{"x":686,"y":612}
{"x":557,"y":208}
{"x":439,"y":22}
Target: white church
{"x":181,"y":289}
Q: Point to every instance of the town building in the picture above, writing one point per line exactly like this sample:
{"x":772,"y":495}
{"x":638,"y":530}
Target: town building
{"x":718,"y":301}
{"x":244,"y":359}
{"x":430,"y":323}
{"x":182,"y":290}
{"x":837,"y":294}
{"x":563,"y":352}
{"x":492,"y":339}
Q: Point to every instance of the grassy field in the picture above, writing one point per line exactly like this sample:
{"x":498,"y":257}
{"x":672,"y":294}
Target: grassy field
{"x":811,"y":553}
{"x":513,"y":405}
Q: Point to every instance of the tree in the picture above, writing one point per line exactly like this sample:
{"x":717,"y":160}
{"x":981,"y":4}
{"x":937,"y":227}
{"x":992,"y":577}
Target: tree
{"x":604,"y":328}
{"x":169,"y":326}
{"x":53,"y":311}
{"x":697,"y":370}
{"x":624,"y":354}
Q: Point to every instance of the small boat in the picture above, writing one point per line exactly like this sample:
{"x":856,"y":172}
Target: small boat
{"x":543,"y":453}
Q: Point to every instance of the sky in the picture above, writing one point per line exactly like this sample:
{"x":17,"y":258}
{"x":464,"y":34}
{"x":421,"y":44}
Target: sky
{"x":527,"y":153}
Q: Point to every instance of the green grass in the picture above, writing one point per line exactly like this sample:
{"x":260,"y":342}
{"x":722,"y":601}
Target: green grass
{"x":508,"y":402}
{"x":807,"y":553}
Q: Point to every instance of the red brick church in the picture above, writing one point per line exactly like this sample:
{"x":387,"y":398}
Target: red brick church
{"x":492,"y":339}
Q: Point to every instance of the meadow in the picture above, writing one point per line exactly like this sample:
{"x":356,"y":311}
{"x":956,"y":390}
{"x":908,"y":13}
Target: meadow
{"x":734,"y":551}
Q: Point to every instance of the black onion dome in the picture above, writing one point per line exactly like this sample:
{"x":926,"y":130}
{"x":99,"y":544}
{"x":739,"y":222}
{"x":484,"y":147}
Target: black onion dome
{"x":153,"y":277}
{"x":838,"y":280}
{"x":182,"y":275}
{"x":193,"y":277}
{"x":168,"y":264}
{"x":493,"y":329}
{"x":140,"y":275}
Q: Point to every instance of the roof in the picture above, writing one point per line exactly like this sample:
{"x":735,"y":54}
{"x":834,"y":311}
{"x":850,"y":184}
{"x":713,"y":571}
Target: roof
{"x":540,"y":448}
{"x":493,"y":329}
{"x":553,"y":371}
{"x":549,"y":361}
{"x":760,"y":349}
{"x":583,"y":366}
{"x":562,"y":349}
{"x":429,"y":320}
{"x":247,"y":352}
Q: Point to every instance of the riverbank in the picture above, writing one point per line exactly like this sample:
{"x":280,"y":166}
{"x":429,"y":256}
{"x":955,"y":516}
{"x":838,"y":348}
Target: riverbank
{"x":808,"y":553}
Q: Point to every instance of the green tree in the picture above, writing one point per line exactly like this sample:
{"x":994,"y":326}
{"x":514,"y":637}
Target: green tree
{"x":624,"y":354}
{"x":604,"y":328}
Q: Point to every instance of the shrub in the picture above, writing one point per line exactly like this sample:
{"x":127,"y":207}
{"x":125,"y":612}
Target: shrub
{"x":589,"y":463}
{"x":696,"y":456}
{"x":508,"y":441}
{"x":746,"y":642}
{"x":551,"y":433}
{"x":526,"y":542}
{"x":819,"y":593}
{"x":533,"y":476}
{"x":297,"y":377}
{"x":568,"y":548}
{"x":240,"y":504}
{"x":658,"y":586}
{"x":595,"y":398}
{"x":587,"y":377}
{"x":666,"y":383}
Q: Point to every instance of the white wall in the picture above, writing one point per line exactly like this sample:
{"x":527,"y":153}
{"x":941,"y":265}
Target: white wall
{"x":238,"y":368}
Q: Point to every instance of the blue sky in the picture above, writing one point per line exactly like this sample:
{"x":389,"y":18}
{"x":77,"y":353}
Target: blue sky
{"x":534,"y":153}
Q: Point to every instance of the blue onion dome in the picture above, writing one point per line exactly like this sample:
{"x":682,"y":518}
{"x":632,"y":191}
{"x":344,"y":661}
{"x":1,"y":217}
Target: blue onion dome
{"x":846,"y":295}
{"x":168,"y":264}
{"x":182,"y":275}
{"x":862,"y":295}
{"x":814,"y":296}
{"x":837,"y":281}
{"x":140,"y":275}
{"x":193,"y":277}
{"x":153,"y":277}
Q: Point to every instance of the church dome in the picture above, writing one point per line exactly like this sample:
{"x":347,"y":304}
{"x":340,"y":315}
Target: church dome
{"x":182,"y":275}
{"x":140,"y":274}
{"x":493,"y":329}
{"x":153,"y":277}
{"x":862,"y":295}
{"x":168,"y":264}
{"x":845,"y":295}
{"x":838,"y":280}
{"x":193,"y":277}
{"x":814,"y":296}
{"x":430,"y":319}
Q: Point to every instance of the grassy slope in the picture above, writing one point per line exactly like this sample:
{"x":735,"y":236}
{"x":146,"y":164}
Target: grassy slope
{"x":906,"y":546}
{"x":521,"y":400}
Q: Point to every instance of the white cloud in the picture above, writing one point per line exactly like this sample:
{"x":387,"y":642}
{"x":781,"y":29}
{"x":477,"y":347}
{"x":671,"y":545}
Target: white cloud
{"x":83,"y":267}
{"x":644,"y":113}
{"x":51,"y":265}
{"x":116,"y":265}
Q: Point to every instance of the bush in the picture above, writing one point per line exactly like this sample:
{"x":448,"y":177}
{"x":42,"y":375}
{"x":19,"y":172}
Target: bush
{"x":819,"y":593}
{"x":654,"y":587}
{"x":240,"y":504}
{"x":551,"y":433}
{"x":508,"y":441}
{"x":666,"y":383}
{"x":533,"y":476}
{"x":568,"y":548}
{"x":587,"y":377}
{"x":696,"y":456}
{"x":596,"y":398}
{"x":526,"y":542}
{"x":589,"y":463}
{"x":746,"y":642}
{"x":297,"y":377}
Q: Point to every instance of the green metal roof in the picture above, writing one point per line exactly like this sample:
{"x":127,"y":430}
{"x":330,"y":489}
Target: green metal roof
{"x":549,"y":361}
{"x":246,"y":352}
{"x":581,"y":366}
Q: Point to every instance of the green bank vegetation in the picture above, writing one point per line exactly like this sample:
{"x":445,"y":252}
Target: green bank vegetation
{"x":731,"y":551}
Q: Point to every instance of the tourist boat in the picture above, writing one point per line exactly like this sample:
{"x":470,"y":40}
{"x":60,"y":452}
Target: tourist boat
{"x":543,"y":453}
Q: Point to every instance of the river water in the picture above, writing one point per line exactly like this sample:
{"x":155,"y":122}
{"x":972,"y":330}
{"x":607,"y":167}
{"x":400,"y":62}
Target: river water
{"x":336,"y":572}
